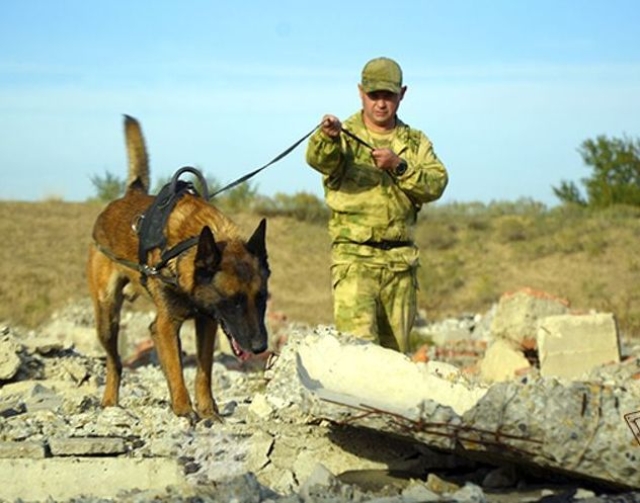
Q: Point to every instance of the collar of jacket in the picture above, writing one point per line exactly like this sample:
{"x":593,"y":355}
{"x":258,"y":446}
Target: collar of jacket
{"x":356,"y":125}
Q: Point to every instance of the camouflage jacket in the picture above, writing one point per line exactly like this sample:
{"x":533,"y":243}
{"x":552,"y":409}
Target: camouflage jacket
{"x":368,"y":203}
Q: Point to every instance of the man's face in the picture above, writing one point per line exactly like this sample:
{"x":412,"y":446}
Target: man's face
{"x":380,"y":108}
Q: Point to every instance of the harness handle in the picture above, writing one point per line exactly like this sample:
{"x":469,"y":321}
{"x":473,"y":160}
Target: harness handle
{"x":193,"y":171}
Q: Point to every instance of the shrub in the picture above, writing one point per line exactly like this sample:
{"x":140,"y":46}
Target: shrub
{"x":301,"y":206}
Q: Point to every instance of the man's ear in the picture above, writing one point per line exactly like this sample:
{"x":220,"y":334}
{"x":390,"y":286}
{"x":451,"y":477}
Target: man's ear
{"x":361,"y":92}
{"x":208,"y":257}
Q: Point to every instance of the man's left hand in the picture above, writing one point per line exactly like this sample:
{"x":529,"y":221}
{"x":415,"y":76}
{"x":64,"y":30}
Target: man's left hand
{"x":385,"y":158}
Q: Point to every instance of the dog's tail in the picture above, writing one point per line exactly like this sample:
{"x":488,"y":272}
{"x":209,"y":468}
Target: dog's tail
{"x":138,"y":177}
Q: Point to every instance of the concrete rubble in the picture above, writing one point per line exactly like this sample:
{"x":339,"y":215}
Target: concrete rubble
{"x":572,"y":427}
{"x":330,"y":419}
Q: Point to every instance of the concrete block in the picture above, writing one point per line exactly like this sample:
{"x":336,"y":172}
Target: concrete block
{"x":502,"y":362}
{"x":61,"y":479}
{"x":23,"y":449}
{"x":87,"y":446}
{"x":517,"y":313}
{"x":570,"y":345}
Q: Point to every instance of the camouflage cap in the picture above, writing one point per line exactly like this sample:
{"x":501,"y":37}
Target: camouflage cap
{"x":382,"y":74}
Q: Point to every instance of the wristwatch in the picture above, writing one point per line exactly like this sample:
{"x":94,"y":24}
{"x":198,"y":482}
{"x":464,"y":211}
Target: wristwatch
{"x":401,"y":168}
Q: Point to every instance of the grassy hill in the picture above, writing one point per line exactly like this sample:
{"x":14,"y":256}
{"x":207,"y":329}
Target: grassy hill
{"x":471,"y":254}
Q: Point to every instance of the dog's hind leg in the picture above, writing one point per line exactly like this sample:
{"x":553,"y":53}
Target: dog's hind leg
{"x":105,"y":286}
{"x":165,"y":333}
{"x":107,"y":311}
{"x":206,"y":328}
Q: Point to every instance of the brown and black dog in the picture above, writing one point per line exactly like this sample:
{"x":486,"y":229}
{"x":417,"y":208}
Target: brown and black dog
{"x":212,"y":276}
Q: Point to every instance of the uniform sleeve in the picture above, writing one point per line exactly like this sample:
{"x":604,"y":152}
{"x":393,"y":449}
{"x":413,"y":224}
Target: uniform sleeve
{"x":325,"y":154}
{"x":426,"y":177}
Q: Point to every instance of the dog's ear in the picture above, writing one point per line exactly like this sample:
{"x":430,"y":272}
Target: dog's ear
{"x":208,"y":257}
{"x":257,"y":242}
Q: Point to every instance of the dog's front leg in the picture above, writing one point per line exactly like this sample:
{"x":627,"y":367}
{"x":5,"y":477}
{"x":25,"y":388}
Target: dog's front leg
{"x":165,"y":333}
{"x":205,"y":341}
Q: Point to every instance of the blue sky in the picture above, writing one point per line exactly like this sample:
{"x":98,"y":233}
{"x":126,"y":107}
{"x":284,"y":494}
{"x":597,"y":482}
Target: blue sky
{"x":507,"y":90}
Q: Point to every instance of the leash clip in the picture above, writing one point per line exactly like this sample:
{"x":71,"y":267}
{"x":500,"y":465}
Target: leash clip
{"x":148,"y":270}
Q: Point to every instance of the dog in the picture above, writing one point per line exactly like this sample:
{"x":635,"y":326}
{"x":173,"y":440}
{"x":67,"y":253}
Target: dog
{"x":204,"y":270}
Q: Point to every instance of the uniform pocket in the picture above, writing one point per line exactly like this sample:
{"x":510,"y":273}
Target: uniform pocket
{"x":338,"y":273}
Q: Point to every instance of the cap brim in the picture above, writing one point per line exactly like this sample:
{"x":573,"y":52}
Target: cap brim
{"x":381,"y":86}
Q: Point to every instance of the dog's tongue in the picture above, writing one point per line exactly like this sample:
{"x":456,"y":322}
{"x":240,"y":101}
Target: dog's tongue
{"x":240,"y":353}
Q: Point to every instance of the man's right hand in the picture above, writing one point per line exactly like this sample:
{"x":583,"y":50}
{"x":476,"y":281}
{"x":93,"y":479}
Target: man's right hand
{"x":331,"y":126}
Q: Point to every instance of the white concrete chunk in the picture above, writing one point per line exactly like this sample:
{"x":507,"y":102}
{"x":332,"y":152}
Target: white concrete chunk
{"x":570,"y":345}
{"x":372,"y":376}
{"x":501,"y":362}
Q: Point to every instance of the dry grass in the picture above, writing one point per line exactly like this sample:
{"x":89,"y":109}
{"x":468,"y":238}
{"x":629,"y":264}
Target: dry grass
{"x":588,"y":258}
{"x":42,"y":261}
{"x":467,"y":261}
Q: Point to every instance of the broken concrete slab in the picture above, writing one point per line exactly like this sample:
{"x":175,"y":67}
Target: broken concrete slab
{"x":368,"y":375}
{"x":570,"y":345}
{"x":60,"y":479}
{"x":574,"y":428}
{"x":24,"y":449}
{"x":42,"y":398}
{"x":9,"y":356}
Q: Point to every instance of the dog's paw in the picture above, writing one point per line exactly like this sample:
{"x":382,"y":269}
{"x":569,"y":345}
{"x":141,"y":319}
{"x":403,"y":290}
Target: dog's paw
{"x":210,"y":414}
{"x":208,"y":422}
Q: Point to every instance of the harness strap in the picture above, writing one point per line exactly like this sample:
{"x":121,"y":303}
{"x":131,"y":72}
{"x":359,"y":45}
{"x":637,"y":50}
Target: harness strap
{"x":147,"y":270}
{"x":176,"y":250}
{"x":127,"y":263}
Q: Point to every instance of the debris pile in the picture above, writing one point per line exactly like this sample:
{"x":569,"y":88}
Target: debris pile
{"x":330,"y":418}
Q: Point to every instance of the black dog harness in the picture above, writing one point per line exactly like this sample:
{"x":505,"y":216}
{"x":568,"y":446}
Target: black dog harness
{"x":151,"y":226}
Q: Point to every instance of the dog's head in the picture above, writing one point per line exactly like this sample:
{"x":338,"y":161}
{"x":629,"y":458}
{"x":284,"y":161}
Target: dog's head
{"x":230,"y":283}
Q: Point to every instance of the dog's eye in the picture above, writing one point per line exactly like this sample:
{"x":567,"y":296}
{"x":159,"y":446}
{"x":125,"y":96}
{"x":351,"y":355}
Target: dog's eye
{"x":236,"y":303}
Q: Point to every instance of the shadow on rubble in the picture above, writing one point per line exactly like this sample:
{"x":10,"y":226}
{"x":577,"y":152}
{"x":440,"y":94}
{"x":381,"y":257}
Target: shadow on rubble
{"x":444,"y":472}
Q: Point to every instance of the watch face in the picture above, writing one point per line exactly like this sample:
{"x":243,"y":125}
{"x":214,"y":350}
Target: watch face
{"x":402,"y":167}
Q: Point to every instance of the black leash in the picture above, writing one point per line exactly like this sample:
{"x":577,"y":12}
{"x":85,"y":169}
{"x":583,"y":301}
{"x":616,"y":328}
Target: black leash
{"x":273,"y":161}
{"x":358,"y":139}
{"x":280,"y":156}
{"x":151,"y":232}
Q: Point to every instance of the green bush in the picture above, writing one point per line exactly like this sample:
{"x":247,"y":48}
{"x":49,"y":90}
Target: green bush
{"x":108,"y":187}
{"x":301,"y":206}
{"x":511,"y":228}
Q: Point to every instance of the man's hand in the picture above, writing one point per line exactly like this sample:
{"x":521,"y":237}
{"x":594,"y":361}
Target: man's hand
{"x":331,"y":126}
{"x":385,"y":158}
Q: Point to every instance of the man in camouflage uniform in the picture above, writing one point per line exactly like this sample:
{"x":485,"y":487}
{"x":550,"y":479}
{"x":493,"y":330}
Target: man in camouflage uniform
{"x":377,"y":172}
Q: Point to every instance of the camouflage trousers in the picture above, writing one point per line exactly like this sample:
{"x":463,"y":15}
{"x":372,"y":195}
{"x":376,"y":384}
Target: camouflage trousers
{"x":375,"y":301}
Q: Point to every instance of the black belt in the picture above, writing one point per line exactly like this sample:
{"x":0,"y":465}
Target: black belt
{"x":387,"y":245}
